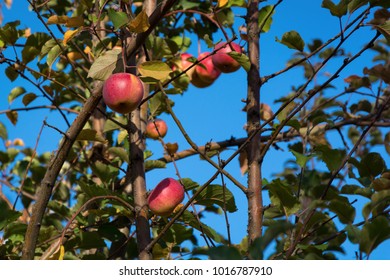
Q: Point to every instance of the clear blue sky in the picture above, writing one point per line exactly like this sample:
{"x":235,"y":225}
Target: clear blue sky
{"x":214,"y":113}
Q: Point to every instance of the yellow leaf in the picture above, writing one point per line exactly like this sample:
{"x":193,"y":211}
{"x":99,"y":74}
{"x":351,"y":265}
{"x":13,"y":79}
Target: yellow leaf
{"x":140,"y":23}
{"x":69,"y":35}
{"x":57,"y":19}
{"x":74,"y":22}
{"x":62,"y":253}
{"x":18,"y":142}
{"x":8,"y":3}
{"x":222,"y":3}
{"x":122,"y":136}
{"x":27,"y":32}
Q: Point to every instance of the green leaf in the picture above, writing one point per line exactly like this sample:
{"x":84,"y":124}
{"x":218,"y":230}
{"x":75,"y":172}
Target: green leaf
{"x":373,"y":234}
{"x":15,"y":92}
{"x":242,"y":59}
{"x":265,"y":17}
{"x":353,"y":233}
{"x":52,"y":55}
{"x":90,"y":240}
{"x":90,"y":135}
{"x":356,"y":4}
{"x":140,"y":23}
{"x":157,"y":104}
{"x":331,"y":157}
{"x":224,"y":252}
{"x":279,"y":227}
{"x":92,"y":190}
{"x":300,"y":158}
{"x":118,"y":19}
{"x":11,"y":73}
{"x":189,"y":184}
{"x":292,"y":40}
{"x":387,"y":142}
{"x":226,"y":17}
{"x":153,"y":164}
{"x":356,"y":190}
{"x":155,"y":69}
{"x":12,"y":116}
{"x":47,"y":47}
{"x":7,"y":215}
{"x":119,"y":152}
{"x":28,"y":98}
{"x":372,"y":164}
{"x":343,"y":209}
{"x":8,"y":33}
{"x":3,"y":131}
{"x":106,"y":64}
{"x":105,"y":172}
{"x":192,"y":221}
{"x":338,"y":10}
{"x":384,"y":29}
{"x":215,"y":194}
{"x":33,"y":46}
{"x":282,"y":196}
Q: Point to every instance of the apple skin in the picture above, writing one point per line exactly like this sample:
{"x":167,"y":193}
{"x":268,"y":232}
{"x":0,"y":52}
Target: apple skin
{"x":123,"y":92}
{"x":152,"y":132}
{"x":165,"y":197}
{"x":205,"y":76}
{"x":224,"y":62}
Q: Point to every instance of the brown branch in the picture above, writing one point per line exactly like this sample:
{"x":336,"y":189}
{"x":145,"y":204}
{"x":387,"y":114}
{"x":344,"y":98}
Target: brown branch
{"x":51,"y":107}
{"x":253,"y":149}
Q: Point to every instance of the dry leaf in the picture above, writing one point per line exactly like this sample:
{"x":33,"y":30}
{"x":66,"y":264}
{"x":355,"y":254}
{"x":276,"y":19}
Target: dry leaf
{"x":69,"y":35}
{"x":172,"y":148}
{"x":243,"y":159}
{"x":140,"y":23}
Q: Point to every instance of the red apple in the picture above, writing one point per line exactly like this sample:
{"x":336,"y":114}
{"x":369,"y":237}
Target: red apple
{"x":155,"y":129}
{"x":205,"y":74}
{"x":165,"y":197}
{"x":123,"y":92}
{"x":224,"y":62}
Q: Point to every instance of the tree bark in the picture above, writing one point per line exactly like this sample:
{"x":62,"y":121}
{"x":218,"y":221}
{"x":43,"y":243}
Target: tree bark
{"x":254,"y":194}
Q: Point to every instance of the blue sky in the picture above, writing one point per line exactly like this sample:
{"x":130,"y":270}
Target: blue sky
{"x":214,"y":113}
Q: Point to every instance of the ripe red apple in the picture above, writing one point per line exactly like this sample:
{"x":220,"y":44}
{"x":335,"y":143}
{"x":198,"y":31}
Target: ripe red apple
{"x":155,"y":129}
{"x":165,"y":197}
{"x":224,"y":62}
{"x":123,"y":92}
{"x":205,"y":74}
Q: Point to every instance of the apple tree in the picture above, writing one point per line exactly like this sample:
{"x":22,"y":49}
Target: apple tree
{"x":89,"y":197}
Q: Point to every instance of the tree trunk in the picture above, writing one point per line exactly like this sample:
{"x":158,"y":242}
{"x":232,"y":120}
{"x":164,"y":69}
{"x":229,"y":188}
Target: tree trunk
{"x":254,"y":195}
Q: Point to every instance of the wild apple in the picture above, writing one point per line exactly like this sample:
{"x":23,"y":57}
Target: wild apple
{"x":205,"y":73}
{"x":155,"y":129}
{"x":224,"y":62}
{"x":165,"y":197}
{"x":123,"y":92}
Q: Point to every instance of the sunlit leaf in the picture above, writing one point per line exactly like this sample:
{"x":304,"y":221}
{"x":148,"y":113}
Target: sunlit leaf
{"x":3,"y":131}
{"x":242,"y":59}
{"x":52,"y":55}
{"x":89,"y":135}
{"x":222,"y":3}
{"x":140,"y":23}
{"x":106,"y":64}
{"x":155,"y":69}
{"x":57,"y":19}
{"x":15,"y":92}
{"x":292,"y":40}
{"x":118,"y":19}
{"x":265,"y":17}
{"x":69,"y":35}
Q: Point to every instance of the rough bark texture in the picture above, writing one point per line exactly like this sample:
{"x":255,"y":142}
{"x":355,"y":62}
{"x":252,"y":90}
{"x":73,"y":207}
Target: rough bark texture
{"x":254,"y":194}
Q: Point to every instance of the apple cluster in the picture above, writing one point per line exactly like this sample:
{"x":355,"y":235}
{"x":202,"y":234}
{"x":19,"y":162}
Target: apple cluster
{"x":210,"y":68}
